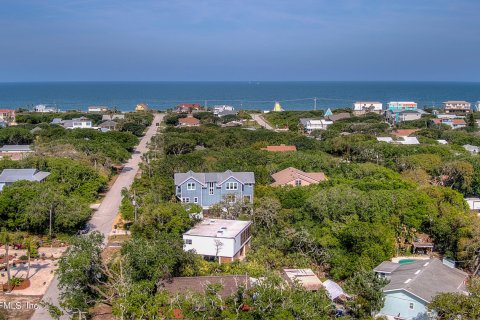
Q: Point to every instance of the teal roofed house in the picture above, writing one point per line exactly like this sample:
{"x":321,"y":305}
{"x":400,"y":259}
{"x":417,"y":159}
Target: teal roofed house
{"x":207,"y":189}
{"x":413,"y":285}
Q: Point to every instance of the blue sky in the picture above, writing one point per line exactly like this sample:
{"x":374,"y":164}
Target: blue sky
{"x":57,"y":40}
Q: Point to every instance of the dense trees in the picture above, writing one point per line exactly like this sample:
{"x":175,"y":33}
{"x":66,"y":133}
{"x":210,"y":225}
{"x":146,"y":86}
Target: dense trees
{"x":457,"y":305}
{"x":65,"y":195}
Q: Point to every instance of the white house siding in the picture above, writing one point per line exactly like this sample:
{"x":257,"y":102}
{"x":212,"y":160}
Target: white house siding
{"x":205,"y":246}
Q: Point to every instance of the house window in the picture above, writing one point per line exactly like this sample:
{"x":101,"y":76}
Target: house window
{"x":232,"y":186}
{"x":191,"y":186}
{"x":211,"y":188}
{"x":298,"y":182}
{"x":188,"y":241}
{"x":179,"y":189}
{"x":245,"y":235}
{"x":247,"y":199}
{"x":186,"y":200}
{"x":195,"y":200}
{"x":411,"y":305}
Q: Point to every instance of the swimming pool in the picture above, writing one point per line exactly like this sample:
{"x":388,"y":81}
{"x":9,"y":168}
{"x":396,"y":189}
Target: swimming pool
{"x":403,"y":261}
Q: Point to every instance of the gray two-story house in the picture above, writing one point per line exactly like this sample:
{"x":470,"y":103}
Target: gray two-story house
{"x":207,"y":189}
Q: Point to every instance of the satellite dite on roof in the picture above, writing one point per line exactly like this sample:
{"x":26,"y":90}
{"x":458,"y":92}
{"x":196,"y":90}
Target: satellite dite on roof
{"x":328,"y":113}
{"x":277,"y":107}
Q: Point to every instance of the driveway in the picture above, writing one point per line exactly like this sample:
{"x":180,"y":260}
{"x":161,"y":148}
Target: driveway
{"x":261,"y":121}
{"x":102,"y":220}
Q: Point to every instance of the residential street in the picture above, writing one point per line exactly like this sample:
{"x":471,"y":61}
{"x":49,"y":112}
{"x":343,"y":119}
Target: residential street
{"x":103,"y":218}
{"x":261,"y":121}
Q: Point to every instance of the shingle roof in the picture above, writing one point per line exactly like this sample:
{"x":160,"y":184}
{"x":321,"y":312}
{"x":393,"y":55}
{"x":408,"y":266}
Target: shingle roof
{"x":386,"y":267}
{"x":13,"y":175}
{"x":181,"y":285}
{"x":219,"y":177}
{"x":426,"y":278}
{"x":289,"y":174}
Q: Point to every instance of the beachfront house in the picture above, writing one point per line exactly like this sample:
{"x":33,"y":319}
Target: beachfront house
{"x":9,"y":176}
{"x":402,"y":105}
{"x":219,"y":239}
{"x":294,"y":177}
{"x":188,"y":108}
{"x":413,"y":285}
{"x":309,"y":124}
{"x":42,"y":108}
{"x":224,"y":110}
{"x":207,"y":189}
{"x":457,"y":106}
{"x":7,"y":116}
{"x":453,"y":123}
{"x":96,"y":109}
{"x":363,"y":107}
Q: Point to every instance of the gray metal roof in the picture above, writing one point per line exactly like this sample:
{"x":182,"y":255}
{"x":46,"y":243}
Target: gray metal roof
{"x":16,"y":148}
{"x":426,"y":278}
{"x":386,"y":267}
{"x":13,"y":175}
{"x":218,"y":177}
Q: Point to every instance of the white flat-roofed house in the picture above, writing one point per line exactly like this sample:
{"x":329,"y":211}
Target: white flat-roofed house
{"x":314,"y":124}
{"x":362,"y":107}
{"x":227,"y":240}
{"x":473,"y":203}
{"x":457,"y":106}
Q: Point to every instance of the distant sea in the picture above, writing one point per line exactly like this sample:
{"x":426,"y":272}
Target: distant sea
{"x":247,"y":95}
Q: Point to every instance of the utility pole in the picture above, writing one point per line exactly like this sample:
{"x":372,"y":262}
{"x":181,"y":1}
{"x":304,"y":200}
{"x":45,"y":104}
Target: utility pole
{"x":134,"y":202}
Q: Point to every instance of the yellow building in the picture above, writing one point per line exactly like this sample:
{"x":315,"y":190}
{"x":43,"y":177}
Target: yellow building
{"x":277,"y":107}
{"x":141,"y":107}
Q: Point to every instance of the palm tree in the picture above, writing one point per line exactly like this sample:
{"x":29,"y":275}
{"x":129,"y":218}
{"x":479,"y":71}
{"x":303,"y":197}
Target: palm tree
{"x":6,"y":239}
{"x":30,"y":247}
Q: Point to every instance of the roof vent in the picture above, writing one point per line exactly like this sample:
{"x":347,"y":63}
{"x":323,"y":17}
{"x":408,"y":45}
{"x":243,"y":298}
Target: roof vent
{"x":223,"y":228}
{"x":219,"y":233}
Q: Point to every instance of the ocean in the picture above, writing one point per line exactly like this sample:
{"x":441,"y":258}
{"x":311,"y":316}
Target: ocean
{"x":243,"y":95}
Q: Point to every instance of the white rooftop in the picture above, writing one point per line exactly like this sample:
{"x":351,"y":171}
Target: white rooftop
{"x":218,"y":228}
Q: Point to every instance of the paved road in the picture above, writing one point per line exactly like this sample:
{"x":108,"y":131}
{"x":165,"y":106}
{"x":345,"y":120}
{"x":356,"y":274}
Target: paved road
{"x":103,"y":218}
{"x":261,"y":121}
